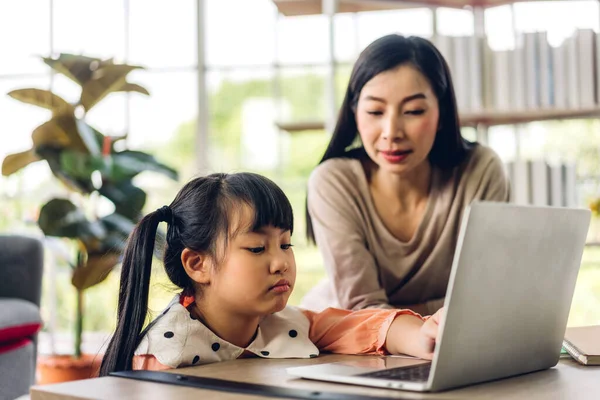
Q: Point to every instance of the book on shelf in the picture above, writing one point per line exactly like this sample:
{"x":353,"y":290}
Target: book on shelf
{"x":586,"y":44}
{"x":461,"y":72}
{"x":517,"y":72}
{"x":532,"y":73}
{"x":544,"y":68}
{"x":569,"y":181}
{"x":555,"y":182}
{"x":598,"y":69}
{"x":538,"y":183}
{"x":518,"y":176}
{"x":533,"y":76}
{"x":476,"y":72}
{"x":559,"y":77}
{"x":501,"y":75}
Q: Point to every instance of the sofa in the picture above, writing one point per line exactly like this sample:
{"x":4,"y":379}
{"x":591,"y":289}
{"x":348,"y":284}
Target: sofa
{"x":21,"y":266}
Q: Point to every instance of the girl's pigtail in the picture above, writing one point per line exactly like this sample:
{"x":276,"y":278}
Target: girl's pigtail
{"x":133,"y":295}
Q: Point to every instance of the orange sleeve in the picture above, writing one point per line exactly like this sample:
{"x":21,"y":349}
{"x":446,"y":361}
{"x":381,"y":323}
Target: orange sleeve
{"x":148,"y":362}
{"x":352,"y":332}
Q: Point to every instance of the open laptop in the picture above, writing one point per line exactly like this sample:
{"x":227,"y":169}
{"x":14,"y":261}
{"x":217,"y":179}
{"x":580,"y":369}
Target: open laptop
{"x":507,"y":303}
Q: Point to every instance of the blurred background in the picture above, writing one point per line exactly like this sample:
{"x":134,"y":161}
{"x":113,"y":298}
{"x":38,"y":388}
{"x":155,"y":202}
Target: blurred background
{"x":254,"y":85}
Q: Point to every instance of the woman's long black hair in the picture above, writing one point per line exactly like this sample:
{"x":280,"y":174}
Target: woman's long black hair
{"x":199,"y":214}
{"x":384,"y":54}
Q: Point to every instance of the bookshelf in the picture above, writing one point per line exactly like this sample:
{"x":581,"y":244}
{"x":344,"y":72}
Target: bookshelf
{"x":488,"y":105}
{"x":291,"y":8}
{"x":475,"y":119}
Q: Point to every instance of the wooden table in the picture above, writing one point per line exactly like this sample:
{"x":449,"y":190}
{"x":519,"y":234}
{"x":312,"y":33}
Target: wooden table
{"x":568,"y":380}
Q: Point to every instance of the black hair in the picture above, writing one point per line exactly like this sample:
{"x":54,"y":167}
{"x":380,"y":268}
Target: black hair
{"x":384,"y":54}
{"x":199,"y":215}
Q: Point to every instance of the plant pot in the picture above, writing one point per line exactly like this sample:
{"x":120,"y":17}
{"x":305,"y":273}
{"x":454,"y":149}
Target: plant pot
{"x":64,"y":368}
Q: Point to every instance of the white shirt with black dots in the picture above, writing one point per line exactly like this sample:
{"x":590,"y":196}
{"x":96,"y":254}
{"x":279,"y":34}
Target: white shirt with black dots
{"x":176,"y":340}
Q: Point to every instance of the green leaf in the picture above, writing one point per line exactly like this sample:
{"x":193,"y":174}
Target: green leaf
{"x":128,"y":163}
{"x":62,"y":218}
{"x":14,"y":162}
{"x":118,"y":223}
{"x":78,"y":68}
{"x":128,"y":199}
{"x":99,"y":139}
{"x":132,"y":87}
{"x":80,"y":165}
{"x":88,"y":136}
{"x":53,"y":156}
{"x":60,"y":131}
{"x":43,"y":98}
{"x":96,"y":270}
{"x":105,"y":80}
{"x":52,"y":134}
{"x":119,"y":228}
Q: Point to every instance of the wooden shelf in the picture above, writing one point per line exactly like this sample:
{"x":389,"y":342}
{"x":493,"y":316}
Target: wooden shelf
{"x":300,"y":126}
{"x":474,"y":119}
{"x":509,"y":118}
{"x":311,"y":7}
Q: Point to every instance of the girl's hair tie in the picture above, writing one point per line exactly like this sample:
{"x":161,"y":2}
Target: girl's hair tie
{"x":165,"y":214}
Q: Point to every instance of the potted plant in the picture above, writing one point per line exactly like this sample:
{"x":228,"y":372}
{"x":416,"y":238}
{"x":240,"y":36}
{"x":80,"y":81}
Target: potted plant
{"x":90,"y":166}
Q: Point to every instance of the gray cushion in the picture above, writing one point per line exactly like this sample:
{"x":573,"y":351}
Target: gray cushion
{"x":17,"y":372}
{"x":17,"y":312}
{"x":21,"y":268}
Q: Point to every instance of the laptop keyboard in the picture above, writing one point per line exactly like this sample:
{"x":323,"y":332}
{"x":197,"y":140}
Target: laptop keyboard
{"x":417,"y":373}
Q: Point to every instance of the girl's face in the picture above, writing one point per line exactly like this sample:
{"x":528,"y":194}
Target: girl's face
{"x":258,"y":271}
{"x":397,"y":117}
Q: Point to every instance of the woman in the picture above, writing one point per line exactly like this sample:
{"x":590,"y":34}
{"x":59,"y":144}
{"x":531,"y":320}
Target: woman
{"x":386,"y":215}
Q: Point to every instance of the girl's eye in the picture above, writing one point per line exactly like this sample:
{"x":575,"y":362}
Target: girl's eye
{"x":286,"y":246}
{"x":376,"y":113}
{"x":415,"y":112}
{"x":256,"y":250}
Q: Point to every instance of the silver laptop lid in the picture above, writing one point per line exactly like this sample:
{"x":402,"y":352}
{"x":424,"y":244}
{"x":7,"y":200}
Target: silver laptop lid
{"x":510,"y":291}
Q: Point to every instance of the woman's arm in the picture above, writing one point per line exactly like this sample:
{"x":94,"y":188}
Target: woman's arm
{"x":338,"y":233}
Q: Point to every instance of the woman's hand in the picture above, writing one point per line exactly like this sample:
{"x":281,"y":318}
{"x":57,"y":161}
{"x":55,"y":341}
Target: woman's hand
{"x":410,"y":335}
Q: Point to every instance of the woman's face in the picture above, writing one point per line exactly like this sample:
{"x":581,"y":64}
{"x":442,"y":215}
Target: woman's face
{"x":397,"y":117}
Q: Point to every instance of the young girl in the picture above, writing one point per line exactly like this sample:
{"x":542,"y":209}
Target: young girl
{"x":229,"y":250}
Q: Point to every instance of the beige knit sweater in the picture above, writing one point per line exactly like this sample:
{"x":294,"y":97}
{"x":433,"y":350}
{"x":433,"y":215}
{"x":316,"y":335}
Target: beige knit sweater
{"x":366,"y":265}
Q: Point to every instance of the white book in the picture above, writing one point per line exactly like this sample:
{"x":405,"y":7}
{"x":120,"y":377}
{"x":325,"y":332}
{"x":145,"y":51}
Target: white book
{"x":559,"y":77}
{"x":518,"y":75}
{"x":544,"y":68}
{"x":532,"y":85}
{"x":489,"y":77}
{"x":555,"y":182}
{"x":444,"y":45}
{"x":586,"y":46}
{"x":569,"y":175}
{"x":572,"y":73}
{"x":598,"y":69}
{"x":501,"y":90}
{"x":461,"y":73}
{"x":538,"y":183}
{"x":476,"y":72}
{"x":519,"y":182}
